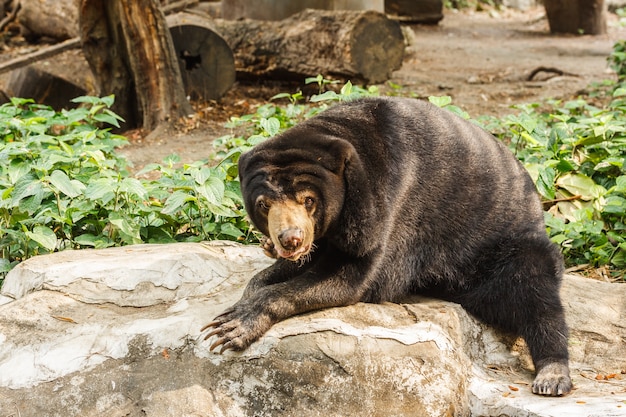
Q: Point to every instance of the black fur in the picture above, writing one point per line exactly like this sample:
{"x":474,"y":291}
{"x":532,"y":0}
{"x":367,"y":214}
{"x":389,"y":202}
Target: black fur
{"x":411,"y":198}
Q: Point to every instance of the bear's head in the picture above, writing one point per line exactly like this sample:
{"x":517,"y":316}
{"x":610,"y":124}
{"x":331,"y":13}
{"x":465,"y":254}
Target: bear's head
{"x":294,"y":188}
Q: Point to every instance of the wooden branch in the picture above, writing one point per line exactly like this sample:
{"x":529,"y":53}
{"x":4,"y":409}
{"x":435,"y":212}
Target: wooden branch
{"x":11,"y":16}
{"x":39,"y":55}
{"x":551,"y":70}
{"x":549,"y":203}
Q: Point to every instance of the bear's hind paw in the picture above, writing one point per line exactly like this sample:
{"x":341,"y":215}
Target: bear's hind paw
{"x":553,"y":380}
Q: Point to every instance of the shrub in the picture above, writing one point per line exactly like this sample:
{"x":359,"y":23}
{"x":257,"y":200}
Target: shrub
{"x":576,"y":154}
{"x":63,"y":186}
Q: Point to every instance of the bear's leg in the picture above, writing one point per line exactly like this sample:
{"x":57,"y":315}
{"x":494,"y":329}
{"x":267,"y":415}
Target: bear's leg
{"x":518,"y":291}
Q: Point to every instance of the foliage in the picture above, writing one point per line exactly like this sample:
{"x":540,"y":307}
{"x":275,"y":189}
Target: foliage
{"x":577,"y":155}
{"x":64,"y":186}
{"x":271,"y":119}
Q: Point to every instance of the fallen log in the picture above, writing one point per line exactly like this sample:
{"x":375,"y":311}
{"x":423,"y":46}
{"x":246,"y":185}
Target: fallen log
{"x":57,"y":19}
{"x":415,"y":11}
{"x":360,"y":45}
{"x":43,"y":87}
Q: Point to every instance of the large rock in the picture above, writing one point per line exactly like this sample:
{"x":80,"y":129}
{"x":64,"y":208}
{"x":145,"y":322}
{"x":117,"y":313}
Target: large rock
{"x":116,"y":332}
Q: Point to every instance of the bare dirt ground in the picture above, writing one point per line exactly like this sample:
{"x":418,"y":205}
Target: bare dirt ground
{"x":481,"y":59}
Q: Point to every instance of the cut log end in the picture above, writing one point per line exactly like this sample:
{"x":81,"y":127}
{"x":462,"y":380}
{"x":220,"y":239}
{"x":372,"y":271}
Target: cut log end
{"x":377,"y":47}
{"x":206,"y":61}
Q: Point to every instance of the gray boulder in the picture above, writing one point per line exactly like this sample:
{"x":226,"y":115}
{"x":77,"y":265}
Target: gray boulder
{"x":116,"y":332}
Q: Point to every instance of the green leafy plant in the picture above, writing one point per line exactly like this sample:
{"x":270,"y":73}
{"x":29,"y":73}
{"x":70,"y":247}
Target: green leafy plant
{"x":617,"y":59}
{"x":64,"y":186}
{"x":576,"y":154}
{"x":47,"y":160}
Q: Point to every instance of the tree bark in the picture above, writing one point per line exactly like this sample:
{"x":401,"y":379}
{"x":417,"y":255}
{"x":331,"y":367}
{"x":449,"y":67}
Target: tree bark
{"x":361,"y":45}
{"x":130,"y":51}
{"x":581,"y":17}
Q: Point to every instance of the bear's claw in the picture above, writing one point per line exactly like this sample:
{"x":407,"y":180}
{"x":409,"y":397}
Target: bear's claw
{"x":237,"y":327}
{"x":553,"y":380}
{"x":268,"y":248}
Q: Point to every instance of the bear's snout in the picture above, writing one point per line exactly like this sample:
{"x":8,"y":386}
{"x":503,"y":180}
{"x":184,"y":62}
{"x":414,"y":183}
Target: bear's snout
{"x":291,"y":229}
{"x":291,"y":238}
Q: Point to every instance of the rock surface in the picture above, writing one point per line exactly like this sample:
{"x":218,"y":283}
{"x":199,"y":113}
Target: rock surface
{"x":116,"y":332}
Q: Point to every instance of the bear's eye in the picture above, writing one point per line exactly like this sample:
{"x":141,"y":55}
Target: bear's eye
{"x":309,"y":202}
{"x":263,"y":205}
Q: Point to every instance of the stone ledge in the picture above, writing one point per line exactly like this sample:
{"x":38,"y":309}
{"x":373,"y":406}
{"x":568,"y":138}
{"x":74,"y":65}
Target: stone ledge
{"x":72,"y":337}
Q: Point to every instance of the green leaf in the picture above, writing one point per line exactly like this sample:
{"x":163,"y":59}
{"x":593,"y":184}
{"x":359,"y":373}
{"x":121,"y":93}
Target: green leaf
{"x":271,"y":126}
{"x":5,"y":265}
{"x":44,"y":236}
{"x":106,"y":118}
{"x":440,"y":101}
{"x":101,"y":189}
{"x":129,"y":233}
{"x":619,"y":92}
{"x":582,"y":185}
{"x":26,"y":186}
{"x":229,"y":229}
{"x":280,"y":95}
{"x":175,"y":201}
{"x":71,"y":188}
{"x":108,"y":100}
{"x":134,"y":187}
{"x":545,"y":182}
{"x":17,"y":169}
{"x":212,"y":190}
{"x":615,"y":205}
{"x":620,"y":184}
{"x":328,"y":95}
{"x":565,"y":166}
{"x":346,"y":90}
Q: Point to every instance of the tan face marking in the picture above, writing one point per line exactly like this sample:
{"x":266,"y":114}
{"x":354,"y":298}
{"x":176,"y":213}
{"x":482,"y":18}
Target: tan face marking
{"x":292,"y":227}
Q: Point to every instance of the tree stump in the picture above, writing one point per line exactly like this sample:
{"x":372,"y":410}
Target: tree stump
{"x":361,"y":45}
{"x":415,"y":11}
{"x":206,"y":62}
{"x":579,"y":17}
{"x":130,"y":51}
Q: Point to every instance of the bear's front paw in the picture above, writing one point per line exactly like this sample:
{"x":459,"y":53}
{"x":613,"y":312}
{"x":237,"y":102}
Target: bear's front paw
{"x":553,"y":380}
{"x":237,"y":327}
{"x":268,"y":248}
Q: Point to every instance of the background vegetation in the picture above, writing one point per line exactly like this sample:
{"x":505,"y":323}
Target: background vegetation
{"x":64,"y":186}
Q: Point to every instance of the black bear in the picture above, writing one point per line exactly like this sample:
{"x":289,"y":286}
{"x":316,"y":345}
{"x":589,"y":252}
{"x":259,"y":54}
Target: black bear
{"x":379,"y":198}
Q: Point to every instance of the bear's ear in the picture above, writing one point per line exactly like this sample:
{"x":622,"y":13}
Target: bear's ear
{"x":357,"y":222}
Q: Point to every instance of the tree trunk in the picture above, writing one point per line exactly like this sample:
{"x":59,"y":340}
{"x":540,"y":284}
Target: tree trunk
{"x":130,"y":51}
{"x":582,"y":17}
{"x":362,"y":45}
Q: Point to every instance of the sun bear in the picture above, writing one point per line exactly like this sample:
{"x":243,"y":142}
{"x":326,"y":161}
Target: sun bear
{"x":379,"y":198}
